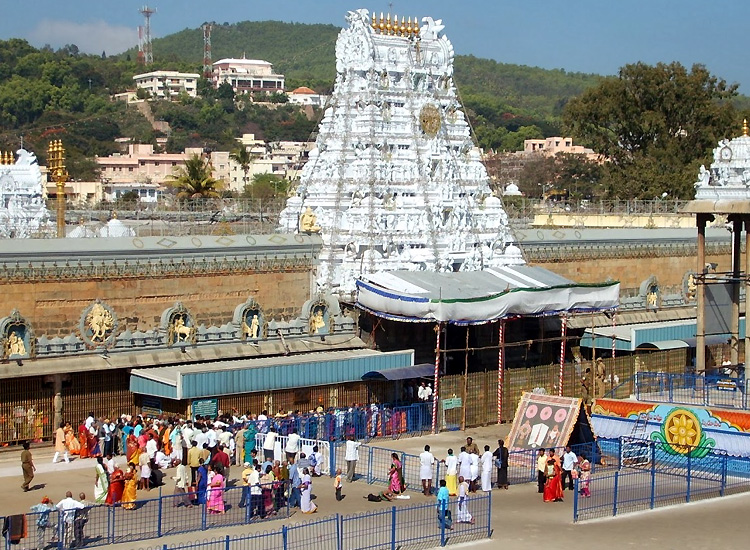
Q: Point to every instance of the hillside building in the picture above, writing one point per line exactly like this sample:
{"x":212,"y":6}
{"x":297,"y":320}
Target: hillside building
{"x":247,"y":75}
{"x":168,"y":84}
{"x":553,"y":145}
{"x":305,"y":96}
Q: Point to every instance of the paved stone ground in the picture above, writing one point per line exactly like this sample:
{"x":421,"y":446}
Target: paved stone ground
{"x":520,"y":519}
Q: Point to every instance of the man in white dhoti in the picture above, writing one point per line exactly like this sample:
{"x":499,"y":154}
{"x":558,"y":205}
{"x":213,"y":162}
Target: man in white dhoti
{"x":462,"y":507}
{"x":486,"y":467}
{"x":474,"y":472}
{"x":464,"y":464}
{"x":426,"y":463}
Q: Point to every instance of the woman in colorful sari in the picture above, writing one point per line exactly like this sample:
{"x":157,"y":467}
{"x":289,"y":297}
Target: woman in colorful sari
{"x":133,"y":451}
{"x":201,"y":483}
{"x":394,"y":474}
{"x":83,"y":440}
{"x":101,"y":485}
{"x":267,"y":482}
{"x":585,"y":476}
{"x":249,"y":444}
{"x":116,"y":487}
{"x":93,"y":440}
{"x":553,"y":487}
{"x":166,"y":442}
{"x":306,"y":504}
{"x":71,"y":441}
{"x":216,"y":497}
{"x":130,"y":493}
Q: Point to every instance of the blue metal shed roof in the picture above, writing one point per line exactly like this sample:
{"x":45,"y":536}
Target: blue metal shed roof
{"x":268,"y":373}
{"x":630,"y":337}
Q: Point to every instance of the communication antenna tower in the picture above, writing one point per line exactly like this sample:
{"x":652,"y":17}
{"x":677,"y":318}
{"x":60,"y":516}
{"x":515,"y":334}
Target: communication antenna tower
{"x":148,"y":54}
{"x":207,"y":66}
{"x":140,"y":45}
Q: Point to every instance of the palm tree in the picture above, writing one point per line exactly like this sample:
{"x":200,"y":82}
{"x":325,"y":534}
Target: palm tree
{"x":195,"y":180}
{"x":244,"y":158}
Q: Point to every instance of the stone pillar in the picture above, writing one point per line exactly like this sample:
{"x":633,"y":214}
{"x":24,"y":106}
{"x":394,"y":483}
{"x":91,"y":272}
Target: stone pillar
{"x":700,"y":330}
{"x":734,"y":351}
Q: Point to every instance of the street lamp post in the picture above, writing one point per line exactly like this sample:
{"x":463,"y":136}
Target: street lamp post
{"x":56,"y":164}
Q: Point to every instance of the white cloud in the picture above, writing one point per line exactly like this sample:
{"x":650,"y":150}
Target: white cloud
{"x":92,"y":37}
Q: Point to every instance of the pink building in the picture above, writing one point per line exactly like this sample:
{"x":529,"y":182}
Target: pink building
{"x":142,"y":164}
{"x":554,"y":145}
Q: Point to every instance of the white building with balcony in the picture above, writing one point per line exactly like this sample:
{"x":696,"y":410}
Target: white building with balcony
{"x":168,"y":84}
{"x":247,"y":75}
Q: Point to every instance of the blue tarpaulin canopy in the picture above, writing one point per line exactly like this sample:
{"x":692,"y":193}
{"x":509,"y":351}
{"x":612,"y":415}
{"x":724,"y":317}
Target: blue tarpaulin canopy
{"x":425,"y":370}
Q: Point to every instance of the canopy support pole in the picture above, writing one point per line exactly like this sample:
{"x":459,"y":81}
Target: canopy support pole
{"x":438,"y":330}
{"x":500,"y":369}
{"x":563,"y":335}
{"x":466,"y":381}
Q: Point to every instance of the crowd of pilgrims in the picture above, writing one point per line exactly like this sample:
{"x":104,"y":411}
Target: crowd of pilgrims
{"x":203,"y":451}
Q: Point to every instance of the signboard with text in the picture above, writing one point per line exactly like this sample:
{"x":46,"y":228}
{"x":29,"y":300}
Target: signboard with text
{"x":207,"y":408}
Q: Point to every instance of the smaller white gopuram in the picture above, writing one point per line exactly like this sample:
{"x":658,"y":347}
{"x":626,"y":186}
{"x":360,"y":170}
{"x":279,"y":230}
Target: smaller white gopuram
{"x":395,"y":181}
{"x":23,"y":213}
{"x":728,"y":177}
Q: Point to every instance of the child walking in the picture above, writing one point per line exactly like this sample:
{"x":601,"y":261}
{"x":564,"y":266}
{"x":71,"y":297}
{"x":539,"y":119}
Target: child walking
{"x":337,"y":484}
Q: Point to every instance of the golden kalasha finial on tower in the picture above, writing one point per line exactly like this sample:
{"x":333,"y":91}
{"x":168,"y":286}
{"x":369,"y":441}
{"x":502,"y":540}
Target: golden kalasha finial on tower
{"x":415,"y":29}
{"x":744,"y":127}
{"x":388,"y":24}
{"x":408,"y":27}
{"x":381,"y":25}
{"x":374,"y":22}
{"x":403,"y":26}
{"x":395,"y":25}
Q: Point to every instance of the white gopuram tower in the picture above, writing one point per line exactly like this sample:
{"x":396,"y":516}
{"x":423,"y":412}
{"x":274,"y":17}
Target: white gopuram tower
{"x":23,"y":213}
{"x":395,"y":181}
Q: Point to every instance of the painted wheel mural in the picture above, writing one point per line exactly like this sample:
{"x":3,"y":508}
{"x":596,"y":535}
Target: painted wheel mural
{"x":681,"y":434}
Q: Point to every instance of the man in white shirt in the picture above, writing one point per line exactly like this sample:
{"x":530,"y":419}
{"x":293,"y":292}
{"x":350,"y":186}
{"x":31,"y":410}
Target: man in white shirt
{"x":181,"y":484}
{"x":256,"y":492}
{"x":420,"y":392}
{"x":464,"y":464}
{"x":201,"y":437}
{"x":351,"y":457}
{"x":263,"y":422}
{"x":269,"y":443}
{"x":428,"y":393}
{"x":569,"y":462}
{"x":212,"y":440}
{"x":151,"y":446}
{"x":426,"y":462}
{"x":486,"y":467}
{"x":68,"y":507}
{"x":292,"y":445}
{"x":187,"y":440}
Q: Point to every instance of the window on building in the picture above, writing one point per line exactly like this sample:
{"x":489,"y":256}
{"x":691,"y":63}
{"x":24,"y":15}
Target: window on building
{"x":130,"y":169}
{"x":142,"y":163}
{"x":156,"y":163}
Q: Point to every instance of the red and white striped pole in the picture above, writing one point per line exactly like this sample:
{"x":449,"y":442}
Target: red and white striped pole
{"x":438,"y":329}
{"x":500,"y":368}
{"x":563,"y":335}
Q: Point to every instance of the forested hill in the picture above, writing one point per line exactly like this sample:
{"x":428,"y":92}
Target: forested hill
{"x":510,"y":102}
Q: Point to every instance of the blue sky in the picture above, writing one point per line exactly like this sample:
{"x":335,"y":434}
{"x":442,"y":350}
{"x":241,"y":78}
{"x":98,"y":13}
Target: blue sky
{"x":576,"y":35}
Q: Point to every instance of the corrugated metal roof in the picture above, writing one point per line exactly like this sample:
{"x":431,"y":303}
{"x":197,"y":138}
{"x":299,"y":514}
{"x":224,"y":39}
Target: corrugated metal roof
{"x":629,"y":337}
{"x":268,"y":373}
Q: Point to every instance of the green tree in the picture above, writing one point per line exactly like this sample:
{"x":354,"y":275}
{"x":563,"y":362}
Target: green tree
{"x":244,"y":158}
{"x":195,"y":180}
{"x":655,"y":124}
{"x":265,"y":186}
